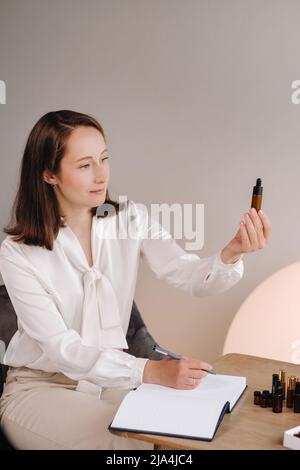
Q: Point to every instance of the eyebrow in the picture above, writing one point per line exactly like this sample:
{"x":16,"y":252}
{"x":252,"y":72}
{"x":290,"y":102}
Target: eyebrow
{"x":88,"y":157}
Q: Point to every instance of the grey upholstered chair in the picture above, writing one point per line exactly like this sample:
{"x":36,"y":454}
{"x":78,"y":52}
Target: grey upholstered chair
{"x":139,"y":340}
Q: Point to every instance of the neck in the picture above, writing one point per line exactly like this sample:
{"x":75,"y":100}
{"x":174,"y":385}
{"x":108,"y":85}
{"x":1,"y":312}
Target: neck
{"x":78,"y":220}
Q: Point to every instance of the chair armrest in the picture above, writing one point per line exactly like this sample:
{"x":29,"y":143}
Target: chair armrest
{"x":140,"y":341}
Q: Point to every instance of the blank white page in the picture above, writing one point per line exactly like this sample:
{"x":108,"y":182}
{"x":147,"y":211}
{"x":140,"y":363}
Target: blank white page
{"x":194,"y":413}
{"x":168,"y":414}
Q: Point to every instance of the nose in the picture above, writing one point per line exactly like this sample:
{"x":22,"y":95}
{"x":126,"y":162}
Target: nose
{"x":100,"y":181}
{"x":100,"y":174}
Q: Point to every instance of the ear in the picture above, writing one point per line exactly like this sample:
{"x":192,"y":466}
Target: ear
{"x":48,"y":177}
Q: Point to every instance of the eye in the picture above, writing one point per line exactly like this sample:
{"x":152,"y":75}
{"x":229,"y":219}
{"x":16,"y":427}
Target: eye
{"x":87,"y":165}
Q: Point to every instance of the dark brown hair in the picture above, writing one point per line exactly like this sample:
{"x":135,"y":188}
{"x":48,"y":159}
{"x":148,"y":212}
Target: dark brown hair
{"x":35,"y":217}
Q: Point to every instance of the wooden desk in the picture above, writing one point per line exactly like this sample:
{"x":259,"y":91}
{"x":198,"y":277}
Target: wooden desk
{"x":249,"y":426}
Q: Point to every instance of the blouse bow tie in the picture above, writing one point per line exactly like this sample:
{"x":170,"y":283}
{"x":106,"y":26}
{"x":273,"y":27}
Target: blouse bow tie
{"x":101,"y":323}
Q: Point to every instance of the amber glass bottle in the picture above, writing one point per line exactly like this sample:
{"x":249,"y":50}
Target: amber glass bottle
{"x":257,"y":195}
{"x":290,"y":391}
{"x":277,"y":399}
{"x":297,"y":398}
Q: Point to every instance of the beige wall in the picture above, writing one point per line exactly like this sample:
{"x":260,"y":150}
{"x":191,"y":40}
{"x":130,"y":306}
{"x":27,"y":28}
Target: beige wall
{"x":195,"y":100}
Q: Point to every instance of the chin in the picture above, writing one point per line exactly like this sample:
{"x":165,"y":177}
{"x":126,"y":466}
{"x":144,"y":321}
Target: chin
{"x":100,"y":201}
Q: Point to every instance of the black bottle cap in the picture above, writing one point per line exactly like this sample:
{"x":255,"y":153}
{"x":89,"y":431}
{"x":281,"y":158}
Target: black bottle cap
{"x":257,"y":393}
{"x":258,"y":190}
{"x":275,"y":378}
{"x":297,"y":388}
{"x":266,"y":392}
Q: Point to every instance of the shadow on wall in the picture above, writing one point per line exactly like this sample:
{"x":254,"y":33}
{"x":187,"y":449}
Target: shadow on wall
{"x":268,"y":322}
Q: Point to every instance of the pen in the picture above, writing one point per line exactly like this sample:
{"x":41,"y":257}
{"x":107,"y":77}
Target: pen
{"x":176,"y":356}
{"x":166,"y":353}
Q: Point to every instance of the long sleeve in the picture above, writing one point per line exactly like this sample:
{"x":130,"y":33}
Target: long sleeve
{"x":39,"y":318}
{"x":195,"y":275}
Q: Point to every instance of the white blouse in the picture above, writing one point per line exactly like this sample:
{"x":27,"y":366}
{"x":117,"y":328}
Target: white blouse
{"x":73,"y":318}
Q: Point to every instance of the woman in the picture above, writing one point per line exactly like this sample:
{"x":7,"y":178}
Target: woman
{"x":71,"y":279}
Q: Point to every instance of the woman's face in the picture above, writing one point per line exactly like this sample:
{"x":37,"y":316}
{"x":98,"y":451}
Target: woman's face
{"x":84,"y":169}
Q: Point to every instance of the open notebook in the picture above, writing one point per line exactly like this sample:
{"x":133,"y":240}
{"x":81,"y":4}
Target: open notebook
{"x":191,"y":414}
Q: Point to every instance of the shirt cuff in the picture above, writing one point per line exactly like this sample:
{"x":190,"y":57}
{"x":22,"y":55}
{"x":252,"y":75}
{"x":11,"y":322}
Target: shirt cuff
{"x":138,"y":370}
{"x":219,"y":262}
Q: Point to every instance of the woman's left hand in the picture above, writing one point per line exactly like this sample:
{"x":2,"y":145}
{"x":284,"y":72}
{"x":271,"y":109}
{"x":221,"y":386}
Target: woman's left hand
{"x":253,"y":235}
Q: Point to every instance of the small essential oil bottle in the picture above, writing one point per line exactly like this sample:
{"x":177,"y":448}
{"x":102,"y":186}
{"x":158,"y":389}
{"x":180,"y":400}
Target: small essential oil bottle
{"x":275,"y":379}
{"x":297,"y":398}
{"x":257,"y":195}
{"x":277,"y":399}
{"x":282,"y":379}
{"x":264,"y":398}
{"x":290,"y":391}
{"x":270,"y":400}
{"x":257,"y":397}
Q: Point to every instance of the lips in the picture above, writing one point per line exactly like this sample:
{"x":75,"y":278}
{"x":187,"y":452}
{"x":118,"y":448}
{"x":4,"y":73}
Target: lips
{"x":97,"y":191}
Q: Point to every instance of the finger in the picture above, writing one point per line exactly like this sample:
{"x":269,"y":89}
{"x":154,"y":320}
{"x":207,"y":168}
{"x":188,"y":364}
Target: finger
{"x":193,"y":382}
{"x":190,"y":383}
{"x":266,"y":223}
{"x":197,"y":374}
{"x":259,"y":227}
{"x":256,"y":220}
{"x":246,"y":244}
{"x":194,"y":363}
{"x":251,"y":232}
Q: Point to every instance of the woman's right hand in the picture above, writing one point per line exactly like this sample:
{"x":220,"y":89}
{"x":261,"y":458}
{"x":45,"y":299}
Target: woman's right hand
{"x":185,"y":373}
